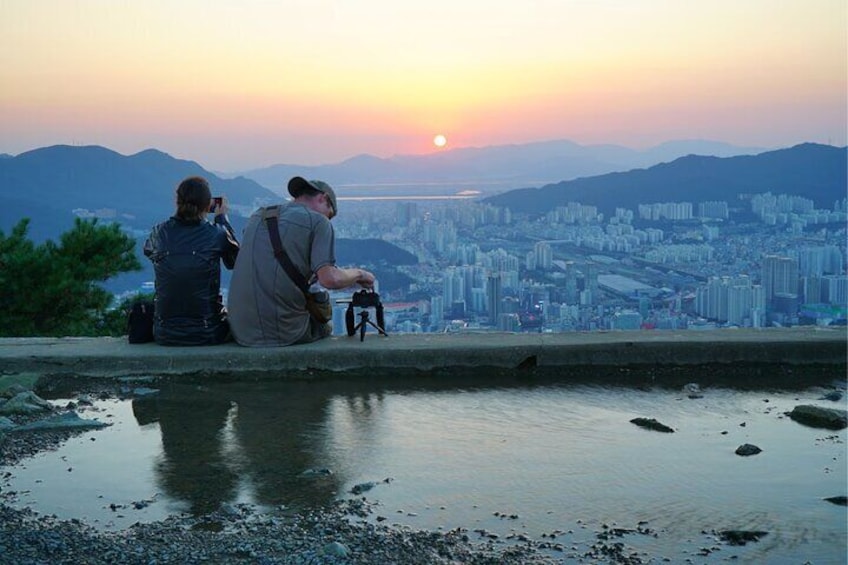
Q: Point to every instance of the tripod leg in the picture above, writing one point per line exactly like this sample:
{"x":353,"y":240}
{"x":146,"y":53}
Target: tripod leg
{"x":378,"y":328}
{"x":381,"y":321}
{"x":349,"y":325}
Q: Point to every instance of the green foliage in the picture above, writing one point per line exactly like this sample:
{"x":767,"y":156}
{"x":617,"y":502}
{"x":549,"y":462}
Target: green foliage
{"x":52,"y":290}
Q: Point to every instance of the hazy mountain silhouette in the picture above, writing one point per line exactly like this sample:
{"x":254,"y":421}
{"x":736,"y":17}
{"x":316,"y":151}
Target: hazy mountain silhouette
{"x":372,"y":251}
{"x":814,"y":171}
{"x":48,"y":184}
{"x":530,"y":163}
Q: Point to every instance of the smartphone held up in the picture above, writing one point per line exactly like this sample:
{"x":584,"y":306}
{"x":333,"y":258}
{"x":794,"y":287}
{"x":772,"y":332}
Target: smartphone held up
{"x":215,"y":205}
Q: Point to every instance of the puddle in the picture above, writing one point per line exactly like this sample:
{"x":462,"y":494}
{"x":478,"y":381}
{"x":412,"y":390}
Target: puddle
{"x":536,"y":461}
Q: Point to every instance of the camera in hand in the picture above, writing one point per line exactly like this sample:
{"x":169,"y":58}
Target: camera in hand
{"x":217,"y":202}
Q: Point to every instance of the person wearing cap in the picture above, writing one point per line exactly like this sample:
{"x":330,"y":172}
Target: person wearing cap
{"x":266,"y":307}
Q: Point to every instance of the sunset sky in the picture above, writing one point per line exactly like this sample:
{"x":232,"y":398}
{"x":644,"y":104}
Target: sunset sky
{"x":241,"y":85}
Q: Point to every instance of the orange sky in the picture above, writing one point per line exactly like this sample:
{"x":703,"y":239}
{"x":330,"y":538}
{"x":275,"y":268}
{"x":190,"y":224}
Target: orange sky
{"x":241,"y":85}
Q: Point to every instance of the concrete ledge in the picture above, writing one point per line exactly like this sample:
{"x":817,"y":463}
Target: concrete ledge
{"x":765,"y":349}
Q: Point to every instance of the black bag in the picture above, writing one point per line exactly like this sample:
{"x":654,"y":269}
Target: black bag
{"x":319,"y":307}
{"x":140,"y":322}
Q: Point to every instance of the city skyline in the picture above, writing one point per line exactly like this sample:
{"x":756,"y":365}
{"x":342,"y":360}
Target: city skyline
{"x":244,"y":86}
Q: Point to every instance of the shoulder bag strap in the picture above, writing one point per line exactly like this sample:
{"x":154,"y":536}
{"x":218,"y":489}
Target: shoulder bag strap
{"x":270,"y":215}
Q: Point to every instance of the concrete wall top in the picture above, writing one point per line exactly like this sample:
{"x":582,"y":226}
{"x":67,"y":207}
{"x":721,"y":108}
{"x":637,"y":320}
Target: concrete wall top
{"x":114,"y":357}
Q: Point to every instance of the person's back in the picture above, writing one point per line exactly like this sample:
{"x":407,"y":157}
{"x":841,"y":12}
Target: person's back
{"x":266,"y":306}
{"x":186,"y":252}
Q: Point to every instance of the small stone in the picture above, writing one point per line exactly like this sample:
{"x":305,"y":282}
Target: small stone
{"x":651,"y":424}
{"x":748,"y":449}
{"x":362,"y":487}
{"x":741,"y":537}
{"x":335,"y":549}
{"x":319,"y":472}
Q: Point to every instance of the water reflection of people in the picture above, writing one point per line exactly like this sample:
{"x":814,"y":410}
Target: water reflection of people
{"x":279,"y":430}
{"x":274,"y":429}
{"x":193,"y":468}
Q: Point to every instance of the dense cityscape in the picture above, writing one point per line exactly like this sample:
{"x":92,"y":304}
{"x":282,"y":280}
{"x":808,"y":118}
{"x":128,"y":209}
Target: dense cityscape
{"x":763,"y":260}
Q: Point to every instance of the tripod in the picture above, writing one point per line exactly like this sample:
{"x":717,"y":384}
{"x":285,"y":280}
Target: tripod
{"x":364,"y":322}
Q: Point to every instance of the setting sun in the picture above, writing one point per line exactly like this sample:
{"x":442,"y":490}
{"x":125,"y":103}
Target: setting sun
{"x":440,"y":140}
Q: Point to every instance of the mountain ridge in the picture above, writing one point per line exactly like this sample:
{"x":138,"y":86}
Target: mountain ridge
{"x":811,"y":170}
{"x":551,"y":161}
{"x":53,"y":185}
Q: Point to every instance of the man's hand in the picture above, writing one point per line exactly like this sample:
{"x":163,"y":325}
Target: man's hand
{"x":366,"y":279}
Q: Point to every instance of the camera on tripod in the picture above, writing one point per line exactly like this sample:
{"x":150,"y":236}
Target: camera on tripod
{"x":364,"y":299}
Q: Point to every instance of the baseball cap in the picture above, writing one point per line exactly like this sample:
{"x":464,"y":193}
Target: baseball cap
{"x":299,"y":185}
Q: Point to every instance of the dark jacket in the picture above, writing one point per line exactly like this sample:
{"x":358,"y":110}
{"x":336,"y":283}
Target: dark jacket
{"x":186,"y":258}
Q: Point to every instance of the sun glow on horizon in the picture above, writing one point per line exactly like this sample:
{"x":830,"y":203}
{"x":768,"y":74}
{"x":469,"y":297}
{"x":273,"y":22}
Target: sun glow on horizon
{"x":129,"y":78}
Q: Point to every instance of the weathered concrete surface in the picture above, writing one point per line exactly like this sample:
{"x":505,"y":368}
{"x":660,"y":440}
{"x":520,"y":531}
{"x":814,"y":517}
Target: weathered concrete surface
{"x":769,"y":350}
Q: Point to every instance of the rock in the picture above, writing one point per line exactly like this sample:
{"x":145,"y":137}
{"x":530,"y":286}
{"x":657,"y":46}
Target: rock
{"x":692,"y":390}
{"x":840,"y":500}
{"x":362,"y":487}
{"x":66,"y":421}
{"x":319,"y":472}
{"x":651,"y":424}
{"x":6,"y":423}
{"x":144,"y":391}
{"x":13,"y":390}
{"x":833,"y":396}
{"x":335,"y":549}
{"x":740,"y":537}
{"x":25,"y":403}
{"x":818,"y":417}
{"x":21,"y":382}
{"x":748,"y":449}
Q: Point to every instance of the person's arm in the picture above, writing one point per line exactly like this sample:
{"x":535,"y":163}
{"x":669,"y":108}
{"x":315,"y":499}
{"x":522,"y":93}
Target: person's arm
{"x":149,"y":245}
{"x":334,"y":278}
{"x":230,"y":249}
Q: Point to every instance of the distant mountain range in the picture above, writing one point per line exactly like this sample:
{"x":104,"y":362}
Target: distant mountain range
{"x":531,"y":164}
{"x":53,"y":185}
{"x":48,"y":184}
{"x":817,"y":172}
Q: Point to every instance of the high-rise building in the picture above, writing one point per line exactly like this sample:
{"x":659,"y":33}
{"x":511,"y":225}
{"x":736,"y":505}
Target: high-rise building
{"x":570,"y":282}
{"x":406,"y":212}
{"x":437,"y":309}
{"x":494,"y":294}
{"x":544,"y":255}
{"x":590,"y":280}
{"x":509,"y":322}
{"x":454,"y":286}
{"x":824,"y":260}
{"x":478,"y":300}
{"x":626,"y":320}
{"x":713,"y":210}
{"x":739,"y":300}
{"x":779,"y":276}
{"x":837,"y":289}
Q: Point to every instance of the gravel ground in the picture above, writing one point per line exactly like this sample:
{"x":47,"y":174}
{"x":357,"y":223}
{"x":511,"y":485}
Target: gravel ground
{"x":340,"y":534}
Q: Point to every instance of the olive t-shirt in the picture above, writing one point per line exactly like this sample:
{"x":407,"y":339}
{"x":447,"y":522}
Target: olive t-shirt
{"x":266,"y":308}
